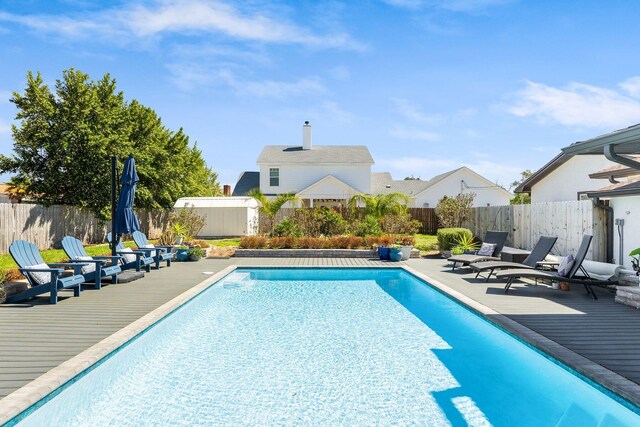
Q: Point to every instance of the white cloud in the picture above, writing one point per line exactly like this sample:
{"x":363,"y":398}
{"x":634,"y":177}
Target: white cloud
{"x":187,"y":17}
{"x":189,"y":77}
{"x":631,"y":86}
{"x":336,"y":113}
{"x":413,"y":134}
{"x":5,"y":127}
{"x":410,"y":111}
{"x":578,"y":104}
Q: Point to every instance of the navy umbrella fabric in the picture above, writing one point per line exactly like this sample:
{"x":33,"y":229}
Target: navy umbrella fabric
{"x":126,"y":221}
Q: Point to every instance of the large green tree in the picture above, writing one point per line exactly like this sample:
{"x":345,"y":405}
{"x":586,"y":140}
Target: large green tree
{"x":64,"y":139}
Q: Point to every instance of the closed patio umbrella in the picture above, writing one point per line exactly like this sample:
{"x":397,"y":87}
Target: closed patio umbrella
{"x":126,"y":221}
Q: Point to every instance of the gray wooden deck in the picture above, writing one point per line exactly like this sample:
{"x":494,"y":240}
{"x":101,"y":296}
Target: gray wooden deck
{"x":37,"y":337}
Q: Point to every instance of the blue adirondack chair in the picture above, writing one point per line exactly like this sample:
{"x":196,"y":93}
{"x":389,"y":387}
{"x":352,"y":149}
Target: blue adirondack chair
{"x":43,"y":278}
{"x":74,"y":250}
{"x":141,"y":259}
{"x":162,"y":253}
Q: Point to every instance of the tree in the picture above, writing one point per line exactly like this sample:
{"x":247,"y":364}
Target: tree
{"x":521,"y":198}
{"x":64,"y":140}
{"x":380,"y":204}
{"x":453,"y":211}
{"x":412,"y":178}
{"x":271,"y":207}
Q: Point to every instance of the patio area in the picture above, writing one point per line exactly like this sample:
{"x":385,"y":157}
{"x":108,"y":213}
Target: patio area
{"x":38,"y":337}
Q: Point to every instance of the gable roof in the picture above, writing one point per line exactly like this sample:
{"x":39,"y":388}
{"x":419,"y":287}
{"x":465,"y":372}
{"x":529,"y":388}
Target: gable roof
{"x":537,"y":176}
{"x":325,"y":179}
{"x":284,"y":154}
{"x":382,"y":183}
{"x":248,"y":181}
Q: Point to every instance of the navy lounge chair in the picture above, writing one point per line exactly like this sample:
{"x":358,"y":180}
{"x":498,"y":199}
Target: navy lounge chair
{"x":158,"y":253}
{"x":76,"y":252}
{"x":496,"y":237}
{"x":539,"y":253}
{"x":571,"y":277}
{"x":43,"y":278}
{"x":131,"y":259}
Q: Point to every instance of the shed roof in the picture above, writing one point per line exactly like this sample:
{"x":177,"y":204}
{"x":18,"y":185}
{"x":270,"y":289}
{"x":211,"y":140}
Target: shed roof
{"x":285,"y":154}
{"x":630,"y":187}
{"x":617,"y":171}
{"x":216,"y":202}
{"x":626,"y":142}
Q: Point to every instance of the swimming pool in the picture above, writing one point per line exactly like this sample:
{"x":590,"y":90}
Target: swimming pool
{"x":328,"y":347}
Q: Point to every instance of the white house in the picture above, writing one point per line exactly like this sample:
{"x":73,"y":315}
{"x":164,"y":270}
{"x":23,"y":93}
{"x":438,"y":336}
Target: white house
{"x":330,"y":175}
{"x":622,"y":194}
{"x":565,"y":177}
{"x":428,"y":193}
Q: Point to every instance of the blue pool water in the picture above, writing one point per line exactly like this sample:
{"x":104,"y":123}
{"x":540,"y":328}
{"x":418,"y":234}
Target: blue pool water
{"x":328,"y":347}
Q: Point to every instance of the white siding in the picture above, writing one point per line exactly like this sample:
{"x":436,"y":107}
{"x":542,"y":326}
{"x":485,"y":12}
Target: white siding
{"x":486,"y":194}
{"x":564,"y":183}
{"x":627,"y":208}
{"x":294,"y":178}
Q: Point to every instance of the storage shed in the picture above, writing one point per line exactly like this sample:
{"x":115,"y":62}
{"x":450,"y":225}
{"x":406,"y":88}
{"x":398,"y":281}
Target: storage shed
{"x":225,"y":216}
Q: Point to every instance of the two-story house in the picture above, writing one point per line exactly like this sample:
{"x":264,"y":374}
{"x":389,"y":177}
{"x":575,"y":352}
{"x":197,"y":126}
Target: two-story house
{"x":329,"y":175}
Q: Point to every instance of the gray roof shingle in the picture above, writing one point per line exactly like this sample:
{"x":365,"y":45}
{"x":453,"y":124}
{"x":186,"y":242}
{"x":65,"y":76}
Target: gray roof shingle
{"x":247,"y":182}
{"x":284,"y":154}
{"x":382,"y":183}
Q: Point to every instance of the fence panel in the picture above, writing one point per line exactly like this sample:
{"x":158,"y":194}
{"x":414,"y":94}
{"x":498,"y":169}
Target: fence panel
{"x":46,"y":226}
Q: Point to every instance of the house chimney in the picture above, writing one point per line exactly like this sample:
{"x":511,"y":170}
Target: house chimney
{"x":226,"y":190}
{"x":306,"y":136}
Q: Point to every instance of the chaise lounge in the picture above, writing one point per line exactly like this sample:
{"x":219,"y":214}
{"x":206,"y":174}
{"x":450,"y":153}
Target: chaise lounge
{"x":496,"y":238}
{"x":571,"y":276}
{"x":539,"y":253}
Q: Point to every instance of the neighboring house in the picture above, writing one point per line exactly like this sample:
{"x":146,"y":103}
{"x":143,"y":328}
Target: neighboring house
{"x":428,"y":193}
{"x":622,"y":194}
{"x":565,"y":177}
{"x":330,"y":175}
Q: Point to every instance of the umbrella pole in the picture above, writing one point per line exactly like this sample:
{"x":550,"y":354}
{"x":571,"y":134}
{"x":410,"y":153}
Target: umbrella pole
{"x":114,"y":239}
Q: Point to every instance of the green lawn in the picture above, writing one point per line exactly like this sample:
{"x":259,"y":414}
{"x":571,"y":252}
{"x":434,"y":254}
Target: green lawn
{"x":426,"y":243}
{"x":224,"y":242}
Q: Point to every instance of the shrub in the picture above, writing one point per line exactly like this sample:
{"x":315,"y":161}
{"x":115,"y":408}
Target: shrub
{"x":4,"y":276}
{"x":287,"y":227}
{"x":282,"y":242}
{"x":184,"y":222}
{"x":201,"y":243}
{"x":453,"y":211}
{"x":331,"y":222}
{"x":399,"y":224}
{"x":253,"y":242}
{"x":312,"y":243}
{"x":448,"y":238}
{"x":367,"y":227}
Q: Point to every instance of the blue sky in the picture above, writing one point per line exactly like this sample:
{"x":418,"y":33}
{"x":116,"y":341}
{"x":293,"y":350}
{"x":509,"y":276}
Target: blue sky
{"x":428,"y":85}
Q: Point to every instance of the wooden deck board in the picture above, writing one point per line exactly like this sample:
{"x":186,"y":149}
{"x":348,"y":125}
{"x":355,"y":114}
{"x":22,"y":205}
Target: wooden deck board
{"x":36,"y":338}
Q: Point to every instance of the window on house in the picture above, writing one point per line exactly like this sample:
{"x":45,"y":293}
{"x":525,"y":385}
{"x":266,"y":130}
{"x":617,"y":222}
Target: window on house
{"x":274,"y":177}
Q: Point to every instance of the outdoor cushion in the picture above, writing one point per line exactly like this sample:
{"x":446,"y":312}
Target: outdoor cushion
{"x":89,"y":267}
{"x":150,"y":246}
{"x":487,"y":249}
{"x":40,"y":277}
{"x":129,"y":258}
{"x":565,"y":265}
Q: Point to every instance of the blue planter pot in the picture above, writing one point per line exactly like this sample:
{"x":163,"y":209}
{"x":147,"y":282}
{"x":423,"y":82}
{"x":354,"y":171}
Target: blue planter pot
{"x":182,"y":255}
{"x":395,"y":255}
{"x":383,"y":253}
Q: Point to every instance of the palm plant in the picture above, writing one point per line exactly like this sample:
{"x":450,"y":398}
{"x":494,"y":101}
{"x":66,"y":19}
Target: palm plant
{"x":380,"y":204}
{"x":271,"y":207}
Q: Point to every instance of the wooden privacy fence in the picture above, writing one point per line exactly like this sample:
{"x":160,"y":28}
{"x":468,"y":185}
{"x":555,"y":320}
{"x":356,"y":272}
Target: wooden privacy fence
{"x":569,"y":221}
{"x":46,"y":226}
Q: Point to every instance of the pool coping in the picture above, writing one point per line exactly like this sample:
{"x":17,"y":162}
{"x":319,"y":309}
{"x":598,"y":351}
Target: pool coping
{"x":44,"y":386}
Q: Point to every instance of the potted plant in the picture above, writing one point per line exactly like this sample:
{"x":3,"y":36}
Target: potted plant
{"x":466,"y":244}
{"x":635,"y":260}
{"x":195,"y":253}
{"x":182,"y":253}
{"x":395,"y":253}
{"x":406,"y":245}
